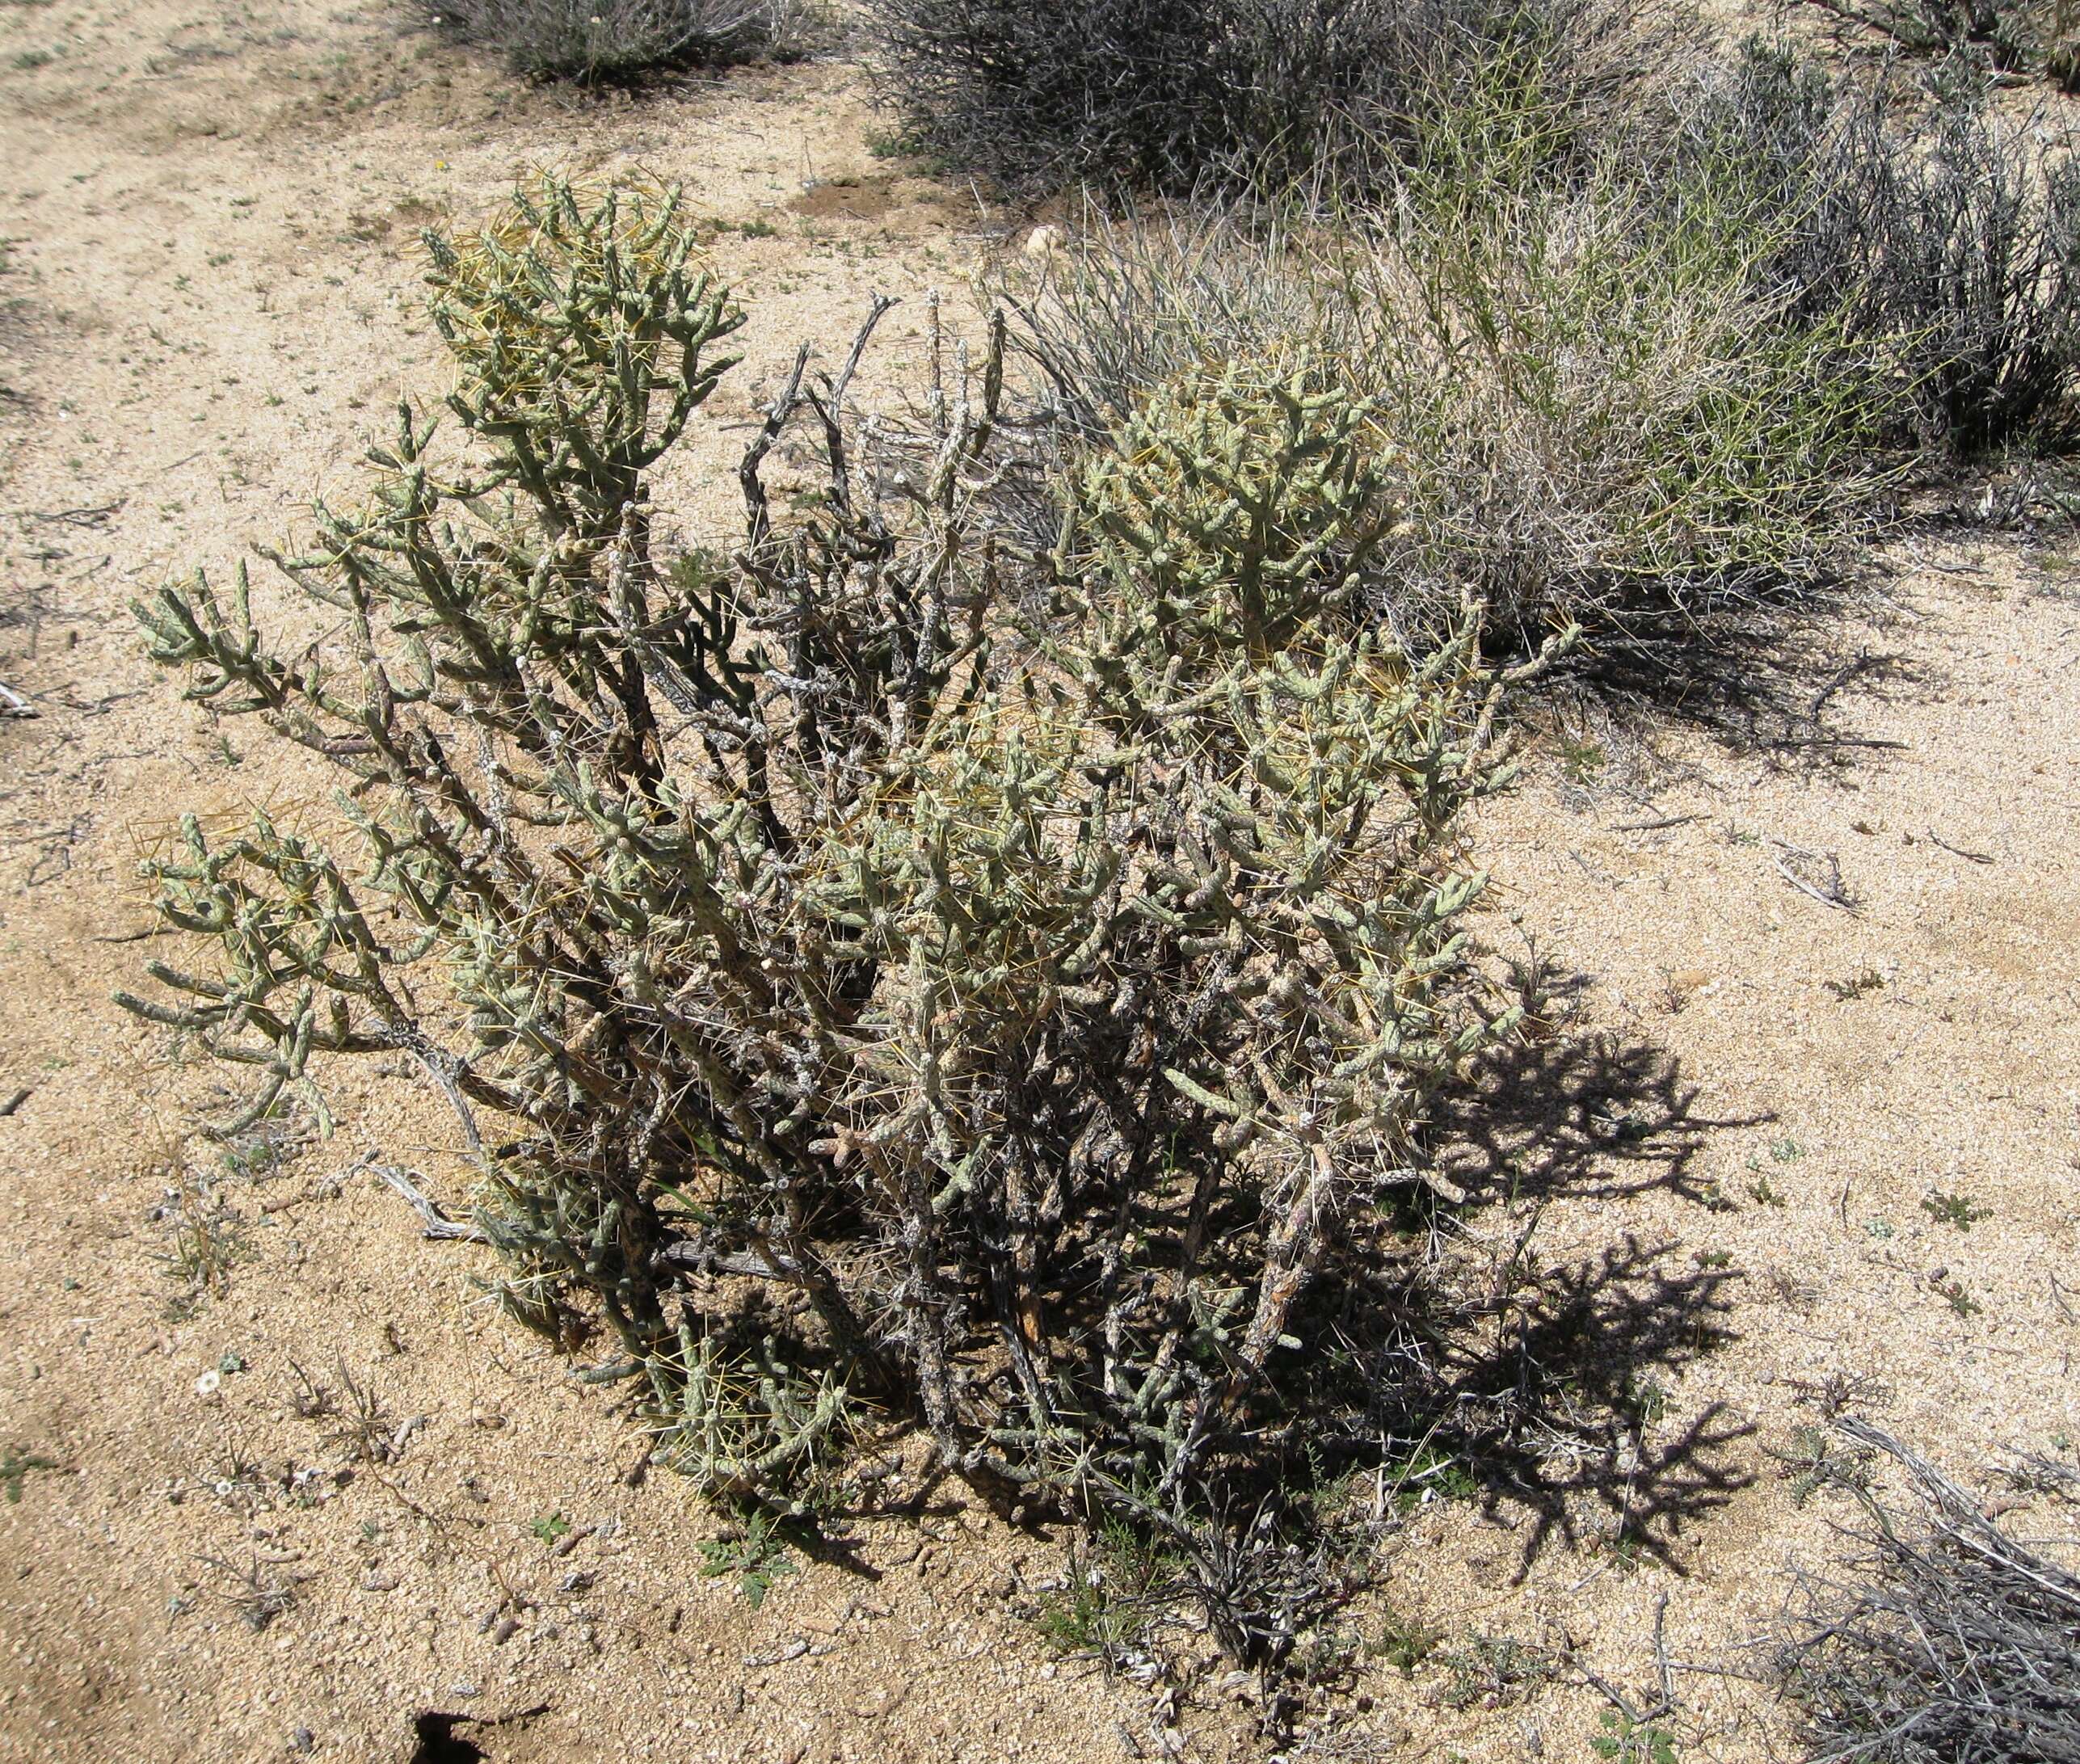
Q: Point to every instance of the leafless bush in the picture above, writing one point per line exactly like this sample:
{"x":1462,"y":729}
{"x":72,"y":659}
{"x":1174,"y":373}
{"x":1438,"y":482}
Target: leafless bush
{"x":595,"y":40}
{"x":1944,"y":1640}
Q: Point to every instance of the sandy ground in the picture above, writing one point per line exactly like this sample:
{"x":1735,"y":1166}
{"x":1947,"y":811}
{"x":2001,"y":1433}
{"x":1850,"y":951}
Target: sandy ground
{"x":210,"y":298}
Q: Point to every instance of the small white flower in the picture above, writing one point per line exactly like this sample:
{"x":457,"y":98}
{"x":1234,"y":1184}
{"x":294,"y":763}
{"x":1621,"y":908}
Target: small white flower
{"x":223,"y":1488}
{"x":206,"y":1385}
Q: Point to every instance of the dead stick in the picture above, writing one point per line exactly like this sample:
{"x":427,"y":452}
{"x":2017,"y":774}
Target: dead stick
{"x":438,"y":1226}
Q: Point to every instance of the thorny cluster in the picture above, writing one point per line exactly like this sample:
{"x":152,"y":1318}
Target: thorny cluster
{"x":888,"y":969}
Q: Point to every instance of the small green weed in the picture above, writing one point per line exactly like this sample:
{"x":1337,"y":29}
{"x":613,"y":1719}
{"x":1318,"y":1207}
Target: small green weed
{"x":209,"y":1238}
{"x":1958,"y":1300}
{"x":1405,"y":1643}
{"x":1627,"y":1549}
{"x":1649,"y":1399}
{"x":1958,"y":1209}
{"x":1815,"y":1461}
{"x":1631,"y":1741}
{"x":549,"y":1528}
{"x":16,"y":1463}
{"x":1870,"y":980}
{"x":1497,"y":1666}
{"x":757,"y":1555}
{"x":1107,"y":1595}
{"x":889,"y":144}
{"x":1582,"y":761}
{"x":1077,"y":1619}
{"x":1428,"y":1470}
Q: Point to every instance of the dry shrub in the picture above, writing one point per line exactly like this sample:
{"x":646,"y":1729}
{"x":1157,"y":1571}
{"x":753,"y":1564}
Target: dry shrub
{"x":1944,"y":1640}
{"x":1650,"y":383}
{"x":1179,"y":93}
{"x":593,"y":41}
{"x":1918,"y":216}
{"x":1598,"y":415}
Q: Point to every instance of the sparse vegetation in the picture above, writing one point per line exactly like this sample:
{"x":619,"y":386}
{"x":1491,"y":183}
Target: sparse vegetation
{"x":2006,"y":36}
{"x":1114,"y":1588}
{"x":1961,"y":1301}
{"x":1631,"y":1740}
{"x":1960,"y":1210}
{"x":1406,"y":1642}
{"x":207,"y":1238}
{"x":1821,"y":1458}
{"x":1496,"y":1669}
{"x":357,"y":1427}
{"x":254,"y":1589}
{"x":754,"y":1553}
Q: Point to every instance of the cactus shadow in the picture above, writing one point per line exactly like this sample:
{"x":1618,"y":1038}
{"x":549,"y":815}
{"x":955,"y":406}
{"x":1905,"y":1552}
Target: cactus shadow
{"x":1541,"y":1377}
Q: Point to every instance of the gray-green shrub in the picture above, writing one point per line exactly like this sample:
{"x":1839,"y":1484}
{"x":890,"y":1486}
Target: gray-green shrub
{"x":1924,"y":221}
{"x":1600,"y":411}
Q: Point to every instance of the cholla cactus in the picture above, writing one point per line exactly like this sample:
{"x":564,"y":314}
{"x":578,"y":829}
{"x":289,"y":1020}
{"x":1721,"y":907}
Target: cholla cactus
{"x":898,"y":967}
{"x":1240,"y":504}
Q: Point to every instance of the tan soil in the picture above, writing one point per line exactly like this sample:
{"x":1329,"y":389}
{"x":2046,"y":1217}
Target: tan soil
{"x":212,"y":301}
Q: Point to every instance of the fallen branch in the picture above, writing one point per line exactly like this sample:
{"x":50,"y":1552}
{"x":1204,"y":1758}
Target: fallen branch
{"x":438,"y":1224}
{"x":1833,"y":895}
{"x":1958,"y":851}
{"x":1657,"y":826}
